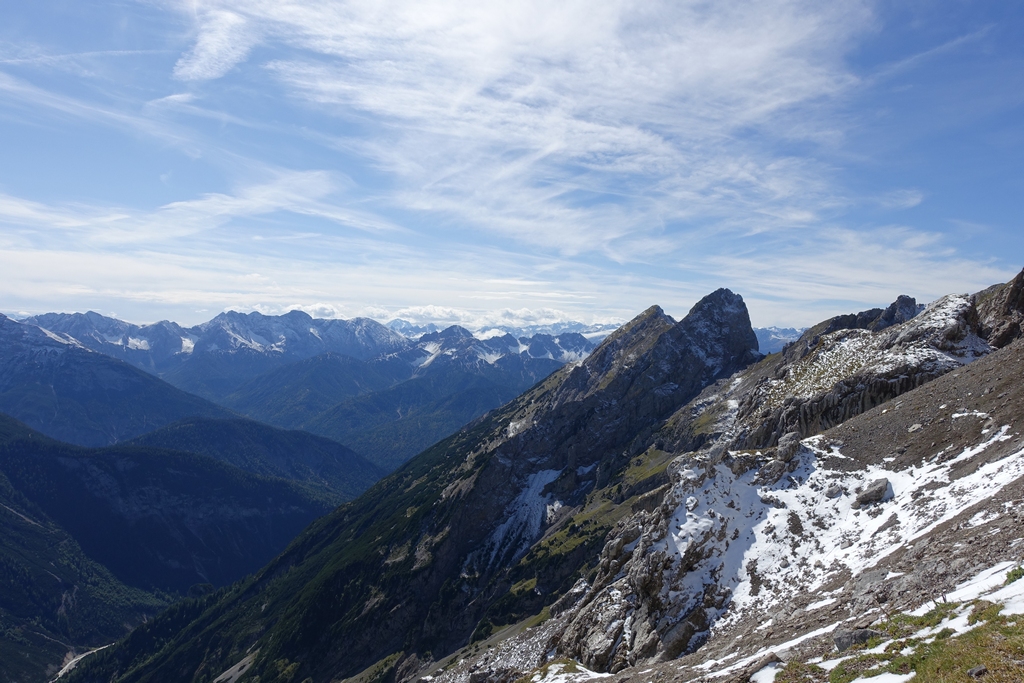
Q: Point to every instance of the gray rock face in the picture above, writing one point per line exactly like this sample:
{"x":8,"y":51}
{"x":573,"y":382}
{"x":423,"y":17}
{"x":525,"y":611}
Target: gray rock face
{"x":845,"y":639}
{"x":883,"y":359}
{"x":789,"y":444}
{"x":899,"y":311}
{"x":1001,"y":310}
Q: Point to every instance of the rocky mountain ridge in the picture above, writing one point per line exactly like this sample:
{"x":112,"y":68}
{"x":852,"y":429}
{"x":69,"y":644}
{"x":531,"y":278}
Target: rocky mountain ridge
{"x":745,"y":568}
{"x":640,"y":514}
{"x":741,"y":539}
{"x":455,"y":521}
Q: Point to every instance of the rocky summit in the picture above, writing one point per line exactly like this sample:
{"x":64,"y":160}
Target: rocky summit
{"x":673,"y":507}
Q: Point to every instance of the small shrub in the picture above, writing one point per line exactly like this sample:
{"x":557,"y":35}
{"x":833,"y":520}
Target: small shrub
{"x":1014,"y":574}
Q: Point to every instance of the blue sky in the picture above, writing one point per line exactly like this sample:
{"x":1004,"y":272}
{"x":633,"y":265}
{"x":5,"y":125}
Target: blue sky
{"x":506,"y":162}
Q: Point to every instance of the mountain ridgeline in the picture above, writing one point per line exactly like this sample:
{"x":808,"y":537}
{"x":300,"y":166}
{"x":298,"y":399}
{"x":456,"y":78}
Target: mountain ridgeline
{"x":332,"y":471}
{"x":354,"y":381}
{"x":419,"y":562}
{"x":58,"y":387}
{"x":675,"y":501}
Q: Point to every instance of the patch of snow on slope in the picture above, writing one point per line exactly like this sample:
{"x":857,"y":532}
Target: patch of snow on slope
{"x":432,"y":351}
{"x":563,"y":673}
{"x":754,"y":541}
{"x":489,"y":357}
{"x":66,"y":340}
{"x":140,"y":344}
{"x":524,"y":518}
{"x":924,"y":497}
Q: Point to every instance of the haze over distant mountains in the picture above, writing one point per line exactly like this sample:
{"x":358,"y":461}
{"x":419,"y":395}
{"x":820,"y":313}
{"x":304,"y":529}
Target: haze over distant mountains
{"x":356,"y":381}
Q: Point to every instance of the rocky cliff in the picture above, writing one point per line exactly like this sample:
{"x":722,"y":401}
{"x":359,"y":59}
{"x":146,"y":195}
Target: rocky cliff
{"x":744,"y":567}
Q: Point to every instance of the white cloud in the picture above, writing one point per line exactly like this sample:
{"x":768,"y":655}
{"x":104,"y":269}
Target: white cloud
{"x":224,"y":40}
{"x":307,"y":193}
{"x":573,"y":126}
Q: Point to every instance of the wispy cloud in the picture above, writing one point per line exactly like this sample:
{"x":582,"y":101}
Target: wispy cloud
{"x":901,"y":199}
{"x":570,"y":126}
{"x":224,"y":39}
{"x":305,"y":193}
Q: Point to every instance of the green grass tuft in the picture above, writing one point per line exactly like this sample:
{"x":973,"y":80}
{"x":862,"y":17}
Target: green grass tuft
{"x":1014,"y":574}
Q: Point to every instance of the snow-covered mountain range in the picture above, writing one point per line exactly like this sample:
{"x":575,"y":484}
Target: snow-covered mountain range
{"x":354,"y":381}
{"x":163,"y":347}
{"x":594,"y":332}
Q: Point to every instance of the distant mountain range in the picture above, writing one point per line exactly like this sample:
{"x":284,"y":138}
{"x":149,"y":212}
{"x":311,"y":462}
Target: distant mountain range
{"x":773,"y":339}
{"x":594,"y":332}
{"x":55,"y":385}
{"x":215,"y":358}
{"x":355,"y":381}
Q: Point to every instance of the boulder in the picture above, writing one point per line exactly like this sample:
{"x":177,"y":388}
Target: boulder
{"x":789,"y":445}
{"x":845,"y":639}
{"x":875,"y":492}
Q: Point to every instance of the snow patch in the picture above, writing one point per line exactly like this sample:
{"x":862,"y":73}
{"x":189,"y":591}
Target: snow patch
{"x":524,"y":518}
{"x":753,"y":540}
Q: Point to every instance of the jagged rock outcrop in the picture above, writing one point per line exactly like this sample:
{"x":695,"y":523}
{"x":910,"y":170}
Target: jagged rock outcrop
{"x":899,"y":311}
{"x":842,"y":373}
{"x":1001,"y":311}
